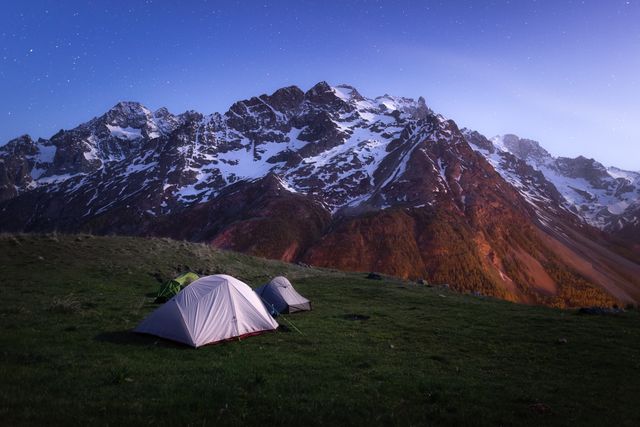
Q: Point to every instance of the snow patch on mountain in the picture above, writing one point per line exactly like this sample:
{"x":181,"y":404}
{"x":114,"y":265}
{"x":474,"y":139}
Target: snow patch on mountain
{"x":127,"y":133}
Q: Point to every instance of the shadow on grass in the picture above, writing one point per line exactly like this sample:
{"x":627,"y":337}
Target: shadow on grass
{"x":355,"y":316}
{"x":128,"y":337}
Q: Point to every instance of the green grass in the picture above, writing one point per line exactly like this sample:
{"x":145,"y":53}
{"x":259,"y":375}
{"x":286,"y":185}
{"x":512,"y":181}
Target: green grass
{"x":423,"y":356}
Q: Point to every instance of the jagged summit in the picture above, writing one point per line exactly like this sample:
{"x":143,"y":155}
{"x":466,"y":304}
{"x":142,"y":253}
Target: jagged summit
{"x":127,"y":107}
{"x":18,"y":144}
{"x":319,"y":88}
{"x":525,"y":149}
{"x":348,"y":92}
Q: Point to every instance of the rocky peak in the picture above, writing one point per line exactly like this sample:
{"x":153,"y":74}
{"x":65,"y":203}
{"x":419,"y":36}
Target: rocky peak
{"x":192,"y":115}
{"x":251,"y":115}
{"x":415,"y":109}
{"x":318,"y":89}
{"x":348,"y":92}
{"x":127,"y":114}
{"x":475,"y":138}
{"x":421,"y":111}
{"x":16,"y":162}
{"x":581,"y":167}
{"x":285,"y":99}
{"x":162,"y":113}
{"x":524,"y":149}
{"x":20,"y":146}
{"x":128,"y":108}
{"x":323,"y":94}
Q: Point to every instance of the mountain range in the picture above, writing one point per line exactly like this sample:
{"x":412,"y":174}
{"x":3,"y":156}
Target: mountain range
{"x":332,"y":178}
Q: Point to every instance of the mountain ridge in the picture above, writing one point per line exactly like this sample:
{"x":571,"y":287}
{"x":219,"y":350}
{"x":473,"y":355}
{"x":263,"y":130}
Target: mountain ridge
{"x":339,"y":180}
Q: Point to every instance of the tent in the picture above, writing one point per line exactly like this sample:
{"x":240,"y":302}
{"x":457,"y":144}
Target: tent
{"x":211,"y":309}
{"x":170,"y":288}
{"x":280,"y":295}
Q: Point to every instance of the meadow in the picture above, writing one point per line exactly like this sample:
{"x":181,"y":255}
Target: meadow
{"x":372,"y":352}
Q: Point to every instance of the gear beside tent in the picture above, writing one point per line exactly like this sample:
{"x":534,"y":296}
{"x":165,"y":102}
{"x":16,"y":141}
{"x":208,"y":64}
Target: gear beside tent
{"x":171,"y":288}
{"x":211,"y":309}
{"x":280,"y":296}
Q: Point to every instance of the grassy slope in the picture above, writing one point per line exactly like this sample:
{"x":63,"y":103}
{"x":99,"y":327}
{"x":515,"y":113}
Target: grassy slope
{"x":425,"y":354}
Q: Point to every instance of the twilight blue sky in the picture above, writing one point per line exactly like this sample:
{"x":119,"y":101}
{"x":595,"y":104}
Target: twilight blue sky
{"x":566,"y":73}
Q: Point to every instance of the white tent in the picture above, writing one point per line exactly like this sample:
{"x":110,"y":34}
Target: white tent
{"x":280,"y":295}
{"x":211,"y":309}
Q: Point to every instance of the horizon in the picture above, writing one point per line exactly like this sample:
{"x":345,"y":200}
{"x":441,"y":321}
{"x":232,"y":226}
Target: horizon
{"x":536,"y":70}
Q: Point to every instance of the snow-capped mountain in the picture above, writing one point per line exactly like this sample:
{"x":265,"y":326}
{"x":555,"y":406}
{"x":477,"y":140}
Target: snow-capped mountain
{"x":332,"y":178}
{"x":331,"y":136}
{"x":605,"y":198}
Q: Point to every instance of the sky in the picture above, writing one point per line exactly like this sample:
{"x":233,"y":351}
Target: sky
{"x":563,"y":72}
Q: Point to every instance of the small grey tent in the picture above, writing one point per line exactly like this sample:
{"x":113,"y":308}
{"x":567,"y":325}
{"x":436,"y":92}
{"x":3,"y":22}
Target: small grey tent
{"x":280,"y":296}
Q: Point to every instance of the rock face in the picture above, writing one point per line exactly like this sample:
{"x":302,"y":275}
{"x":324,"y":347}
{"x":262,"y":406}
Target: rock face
{"x":332,"y":178}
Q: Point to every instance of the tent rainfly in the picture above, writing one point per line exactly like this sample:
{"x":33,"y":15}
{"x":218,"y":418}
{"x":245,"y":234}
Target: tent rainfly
{"x":211,"y":309}
{"x":171,"y":288}
{"x":280,"y":295}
